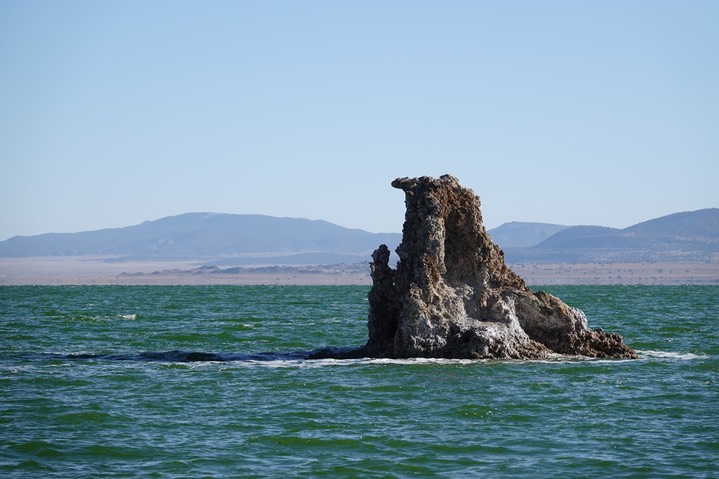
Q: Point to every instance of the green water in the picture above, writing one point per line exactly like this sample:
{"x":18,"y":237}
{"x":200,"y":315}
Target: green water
{"x":95,"y":382}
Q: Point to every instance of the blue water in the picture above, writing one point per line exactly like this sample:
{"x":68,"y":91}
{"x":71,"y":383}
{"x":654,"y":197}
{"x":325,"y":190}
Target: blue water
{"x":98,"y":382}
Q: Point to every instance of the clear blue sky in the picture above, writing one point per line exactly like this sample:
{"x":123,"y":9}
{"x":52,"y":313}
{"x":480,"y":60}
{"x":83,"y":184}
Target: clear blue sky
{"x":572,"y":112}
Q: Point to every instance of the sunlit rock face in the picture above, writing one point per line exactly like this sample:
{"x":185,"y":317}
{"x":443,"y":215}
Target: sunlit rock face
{"x":452,"y":295}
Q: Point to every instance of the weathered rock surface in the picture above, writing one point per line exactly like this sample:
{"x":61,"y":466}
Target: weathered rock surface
{"x":452,"y":295}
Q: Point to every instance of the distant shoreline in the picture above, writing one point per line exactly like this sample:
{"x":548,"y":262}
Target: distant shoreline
{"x":99,"y":271}
{"x":659,"y":273}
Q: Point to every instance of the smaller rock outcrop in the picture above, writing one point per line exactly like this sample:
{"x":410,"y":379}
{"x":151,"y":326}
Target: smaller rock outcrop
{"x":452,"y":295}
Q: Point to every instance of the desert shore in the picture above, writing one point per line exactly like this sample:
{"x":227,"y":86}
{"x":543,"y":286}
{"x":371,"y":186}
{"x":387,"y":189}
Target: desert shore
{"x":104,"y":271}
{"x":667,"y":273}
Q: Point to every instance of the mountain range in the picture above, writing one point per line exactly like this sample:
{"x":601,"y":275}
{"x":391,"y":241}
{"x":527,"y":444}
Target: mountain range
{"x":229,"y":239}
{"x":685,"y":236}
{"x":216,"y":237}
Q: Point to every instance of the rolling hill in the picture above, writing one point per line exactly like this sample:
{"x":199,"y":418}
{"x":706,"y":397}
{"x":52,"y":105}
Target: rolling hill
{"x":224,"y":238}
{"x":686,"y":236}
{"x":228,"y":239}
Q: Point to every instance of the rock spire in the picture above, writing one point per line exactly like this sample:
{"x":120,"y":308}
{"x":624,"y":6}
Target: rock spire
{"x":452,"y":295}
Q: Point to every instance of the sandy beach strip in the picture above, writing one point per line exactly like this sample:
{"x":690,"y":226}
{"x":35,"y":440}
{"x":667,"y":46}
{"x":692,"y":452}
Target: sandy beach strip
{"x":104,"y":271}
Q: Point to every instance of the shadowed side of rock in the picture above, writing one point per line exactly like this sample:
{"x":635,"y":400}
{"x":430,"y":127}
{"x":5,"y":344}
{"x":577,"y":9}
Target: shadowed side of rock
{"x":383,"y":305}
{"x":453,"y":296}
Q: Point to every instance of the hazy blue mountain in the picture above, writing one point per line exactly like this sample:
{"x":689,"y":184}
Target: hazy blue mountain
{"x":686,"y":236}
{"x":517,"y":234}
{"x":699,"y":225}
{"x":208,"y":235}
{"x":227,"y":239}
{"x":583,"y":237}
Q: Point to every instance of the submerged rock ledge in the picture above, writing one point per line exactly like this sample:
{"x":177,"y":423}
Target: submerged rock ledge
{"x":452,"y":295}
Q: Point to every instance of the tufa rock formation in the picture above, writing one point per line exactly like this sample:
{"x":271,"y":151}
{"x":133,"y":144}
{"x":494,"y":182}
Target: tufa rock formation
{"x":452,"y":295}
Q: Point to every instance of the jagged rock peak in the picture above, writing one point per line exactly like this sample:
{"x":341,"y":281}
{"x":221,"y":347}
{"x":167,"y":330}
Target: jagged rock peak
{"x":453,"y":296}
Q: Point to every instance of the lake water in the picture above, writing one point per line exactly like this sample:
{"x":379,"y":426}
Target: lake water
{"x":96,"y":382}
